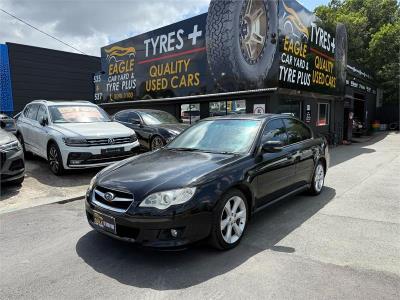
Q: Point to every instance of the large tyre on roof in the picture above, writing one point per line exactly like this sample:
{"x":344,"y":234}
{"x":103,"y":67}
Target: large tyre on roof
{"x":341,"y":56}
{"x":241,"y":42}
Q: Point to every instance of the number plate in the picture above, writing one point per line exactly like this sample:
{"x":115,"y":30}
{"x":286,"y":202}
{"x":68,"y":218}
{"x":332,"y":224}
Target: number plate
{"x":112,"y":150}
{"x":104,"y":222}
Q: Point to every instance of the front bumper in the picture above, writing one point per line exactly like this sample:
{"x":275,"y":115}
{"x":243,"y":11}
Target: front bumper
{"x":155,"y":231}
{"x":92,"y":157}
{"x":12,"y":166}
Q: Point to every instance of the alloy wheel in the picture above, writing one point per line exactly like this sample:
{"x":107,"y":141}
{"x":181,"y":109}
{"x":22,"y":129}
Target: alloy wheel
{"x":319,"y":178}
{"x":233,"y":219}
{"x":253,"y":30}
{"x":54,"y":159}
{"x":156,"y":143}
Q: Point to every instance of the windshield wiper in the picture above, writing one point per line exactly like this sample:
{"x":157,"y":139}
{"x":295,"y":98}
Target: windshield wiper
{"x":200,"y":150}
{"x":185,"y":149}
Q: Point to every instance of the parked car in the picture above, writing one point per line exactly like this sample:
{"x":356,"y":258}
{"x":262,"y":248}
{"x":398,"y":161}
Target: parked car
{"x":73,"y":135}
{"x":190,"y":116}
{"x":154,"y":128}
{"x":7,"y":123}
{"x":208,"y":181}
{"x":12,"y":166}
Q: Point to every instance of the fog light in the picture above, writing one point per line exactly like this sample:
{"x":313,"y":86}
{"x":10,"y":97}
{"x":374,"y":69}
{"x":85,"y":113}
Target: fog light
{"x":174,"y":233}
{"x":75,"y":162}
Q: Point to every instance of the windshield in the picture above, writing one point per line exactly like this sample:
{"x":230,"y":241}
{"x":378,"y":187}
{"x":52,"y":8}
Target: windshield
{"x":77,"y":114}
{"x":226,"y":136}
{"x":158,"y":117}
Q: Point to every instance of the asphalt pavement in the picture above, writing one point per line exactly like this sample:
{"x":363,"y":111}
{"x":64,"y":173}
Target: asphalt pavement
{"x":342,"y":244}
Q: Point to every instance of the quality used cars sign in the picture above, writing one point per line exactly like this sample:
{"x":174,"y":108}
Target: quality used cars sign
{"x":237,"y":45}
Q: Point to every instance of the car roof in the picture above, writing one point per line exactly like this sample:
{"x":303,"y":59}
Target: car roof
{"x":62,"y":102}
{"x":244,"y":117}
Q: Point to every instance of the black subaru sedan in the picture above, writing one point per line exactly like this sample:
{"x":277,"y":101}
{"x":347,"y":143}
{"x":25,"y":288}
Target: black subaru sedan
{"x":208,"y":181}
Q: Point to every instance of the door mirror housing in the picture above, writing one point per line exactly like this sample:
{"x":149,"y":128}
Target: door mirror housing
{"x":135,"y":122}
{"x":43,"y":121}
{"x":272,"y":146}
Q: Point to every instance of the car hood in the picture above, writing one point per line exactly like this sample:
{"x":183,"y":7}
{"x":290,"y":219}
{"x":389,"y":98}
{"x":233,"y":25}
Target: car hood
{"x":6,"y":137}
{"x":93,"y":130}
{"x":162,"y":170}
{"x":178,"y":128}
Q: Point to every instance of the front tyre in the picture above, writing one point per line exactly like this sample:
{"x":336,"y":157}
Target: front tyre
{"x":54,"y":159}
{"x":156,"y":143}
{"x":241,"y":42}
{"x":318,"y":179}
{"x":230,"y":221}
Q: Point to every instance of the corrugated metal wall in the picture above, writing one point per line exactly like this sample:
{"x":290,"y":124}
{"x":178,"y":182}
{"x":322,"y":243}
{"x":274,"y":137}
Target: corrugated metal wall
{"x":39,"y":73}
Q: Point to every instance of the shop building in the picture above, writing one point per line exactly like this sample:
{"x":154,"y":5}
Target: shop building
{"x":254,"y":56}
{"x":28,"y":73}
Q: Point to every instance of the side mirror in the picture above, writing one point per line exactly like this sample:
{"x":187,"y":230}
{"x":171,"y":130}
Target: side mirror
{"x":272,"y":146}
{"x":43,"y":121}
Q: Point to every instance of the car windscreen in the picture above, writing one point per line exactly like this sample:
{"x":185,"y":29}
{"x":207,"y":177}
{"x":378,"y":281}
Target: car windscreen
{"x":219,"y":136}
{"x":158,"y":117}
{"x":77,"y":114}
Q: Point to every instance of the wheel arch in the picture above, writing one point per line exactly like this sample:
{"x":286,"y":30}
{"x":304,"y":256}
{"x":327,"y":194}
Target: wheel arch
{"x":247,"y":193}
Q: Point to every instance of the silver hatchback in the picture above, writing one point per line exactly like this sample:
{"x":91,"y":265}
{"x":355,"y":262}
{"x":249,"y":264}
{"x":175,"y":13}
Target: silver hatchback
{"x":12,"y":165}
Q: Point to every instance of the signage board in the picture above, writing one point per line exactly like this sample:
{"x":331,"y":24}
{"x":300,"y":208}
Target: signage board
{"x":259,"y":109}
{"x":244,"y":45}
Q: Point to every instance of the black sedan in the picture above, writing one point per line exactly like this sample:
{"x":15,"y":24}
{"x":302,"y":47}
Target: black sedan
{"x":208,"y":181}
{"x":154,"y":128}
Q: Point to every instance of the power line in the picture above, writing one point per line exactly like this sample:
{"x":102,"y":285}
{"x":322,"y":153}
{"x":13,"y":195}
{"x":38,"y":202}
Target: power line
{"x":53,"y":37}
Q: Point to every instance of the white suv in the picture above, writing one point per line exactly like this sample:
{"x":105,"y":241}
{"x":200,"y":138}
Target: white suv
{"x":73,"y":134}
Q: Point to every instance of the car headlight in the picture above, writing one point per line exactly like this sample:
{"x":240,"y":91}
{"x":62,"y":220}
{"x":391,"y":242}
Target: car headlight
{"x":16,"y":146}
{"x":163,"y":200}
{"x":75,"y":142}
{"x":93,"y":182}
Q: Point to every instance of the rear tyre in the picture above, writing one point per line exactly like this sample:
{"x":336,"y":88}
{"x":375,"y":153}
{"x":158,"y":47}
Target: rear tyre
{"x":318,"y":179}
{"x":230,"y":221}
{"x":54,"y":159}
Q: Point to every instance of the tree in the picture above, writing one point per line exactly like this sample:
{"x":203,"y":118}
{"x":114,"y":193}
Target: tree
{"x":373,"y":28}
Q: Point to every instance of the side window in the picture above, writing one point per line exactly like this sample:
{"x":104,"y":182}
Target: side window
{"x":275,"y":131}
{"x":41,"y":113}
{"x":296,"y":131}
{"x":122,"y":116}
{"x":33,"y":111}
{"x":134,"y":116}
{"x":26,"y":111}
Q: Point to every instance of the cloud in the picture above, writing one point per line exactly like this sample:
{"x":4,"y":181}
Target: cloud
{"x":89,"y":24}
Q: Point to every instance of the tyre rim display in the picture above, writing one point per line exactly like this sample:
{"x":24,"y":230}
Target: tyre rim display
{"x":233,"y":219}
{"x":53,"y":159}
{"x":319,"y":178}
{"x":253,"y":30}
{"x":156,"y":143}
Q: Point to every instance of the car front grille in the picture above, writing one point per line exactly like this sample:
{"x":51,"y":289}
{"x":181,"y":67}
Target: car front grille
{"x":111,"y":141}
{"x":120,"y":202}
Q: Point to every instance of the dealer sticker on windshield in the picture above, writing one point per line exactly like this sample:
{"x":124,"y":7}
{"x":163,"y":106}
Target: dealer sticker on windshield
{"x":104,"y":222}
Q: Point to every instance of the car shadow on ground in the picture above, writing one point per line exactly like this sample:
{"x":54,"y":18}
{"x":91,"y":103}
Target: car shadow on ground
{"x":347,"y":152}
{"x":160,"y":270}
{"x":38,"y":168}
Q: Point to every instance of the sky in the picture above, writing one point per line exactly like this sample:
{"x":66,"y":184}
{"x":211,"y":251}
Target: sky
{"x":90,"y":24}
